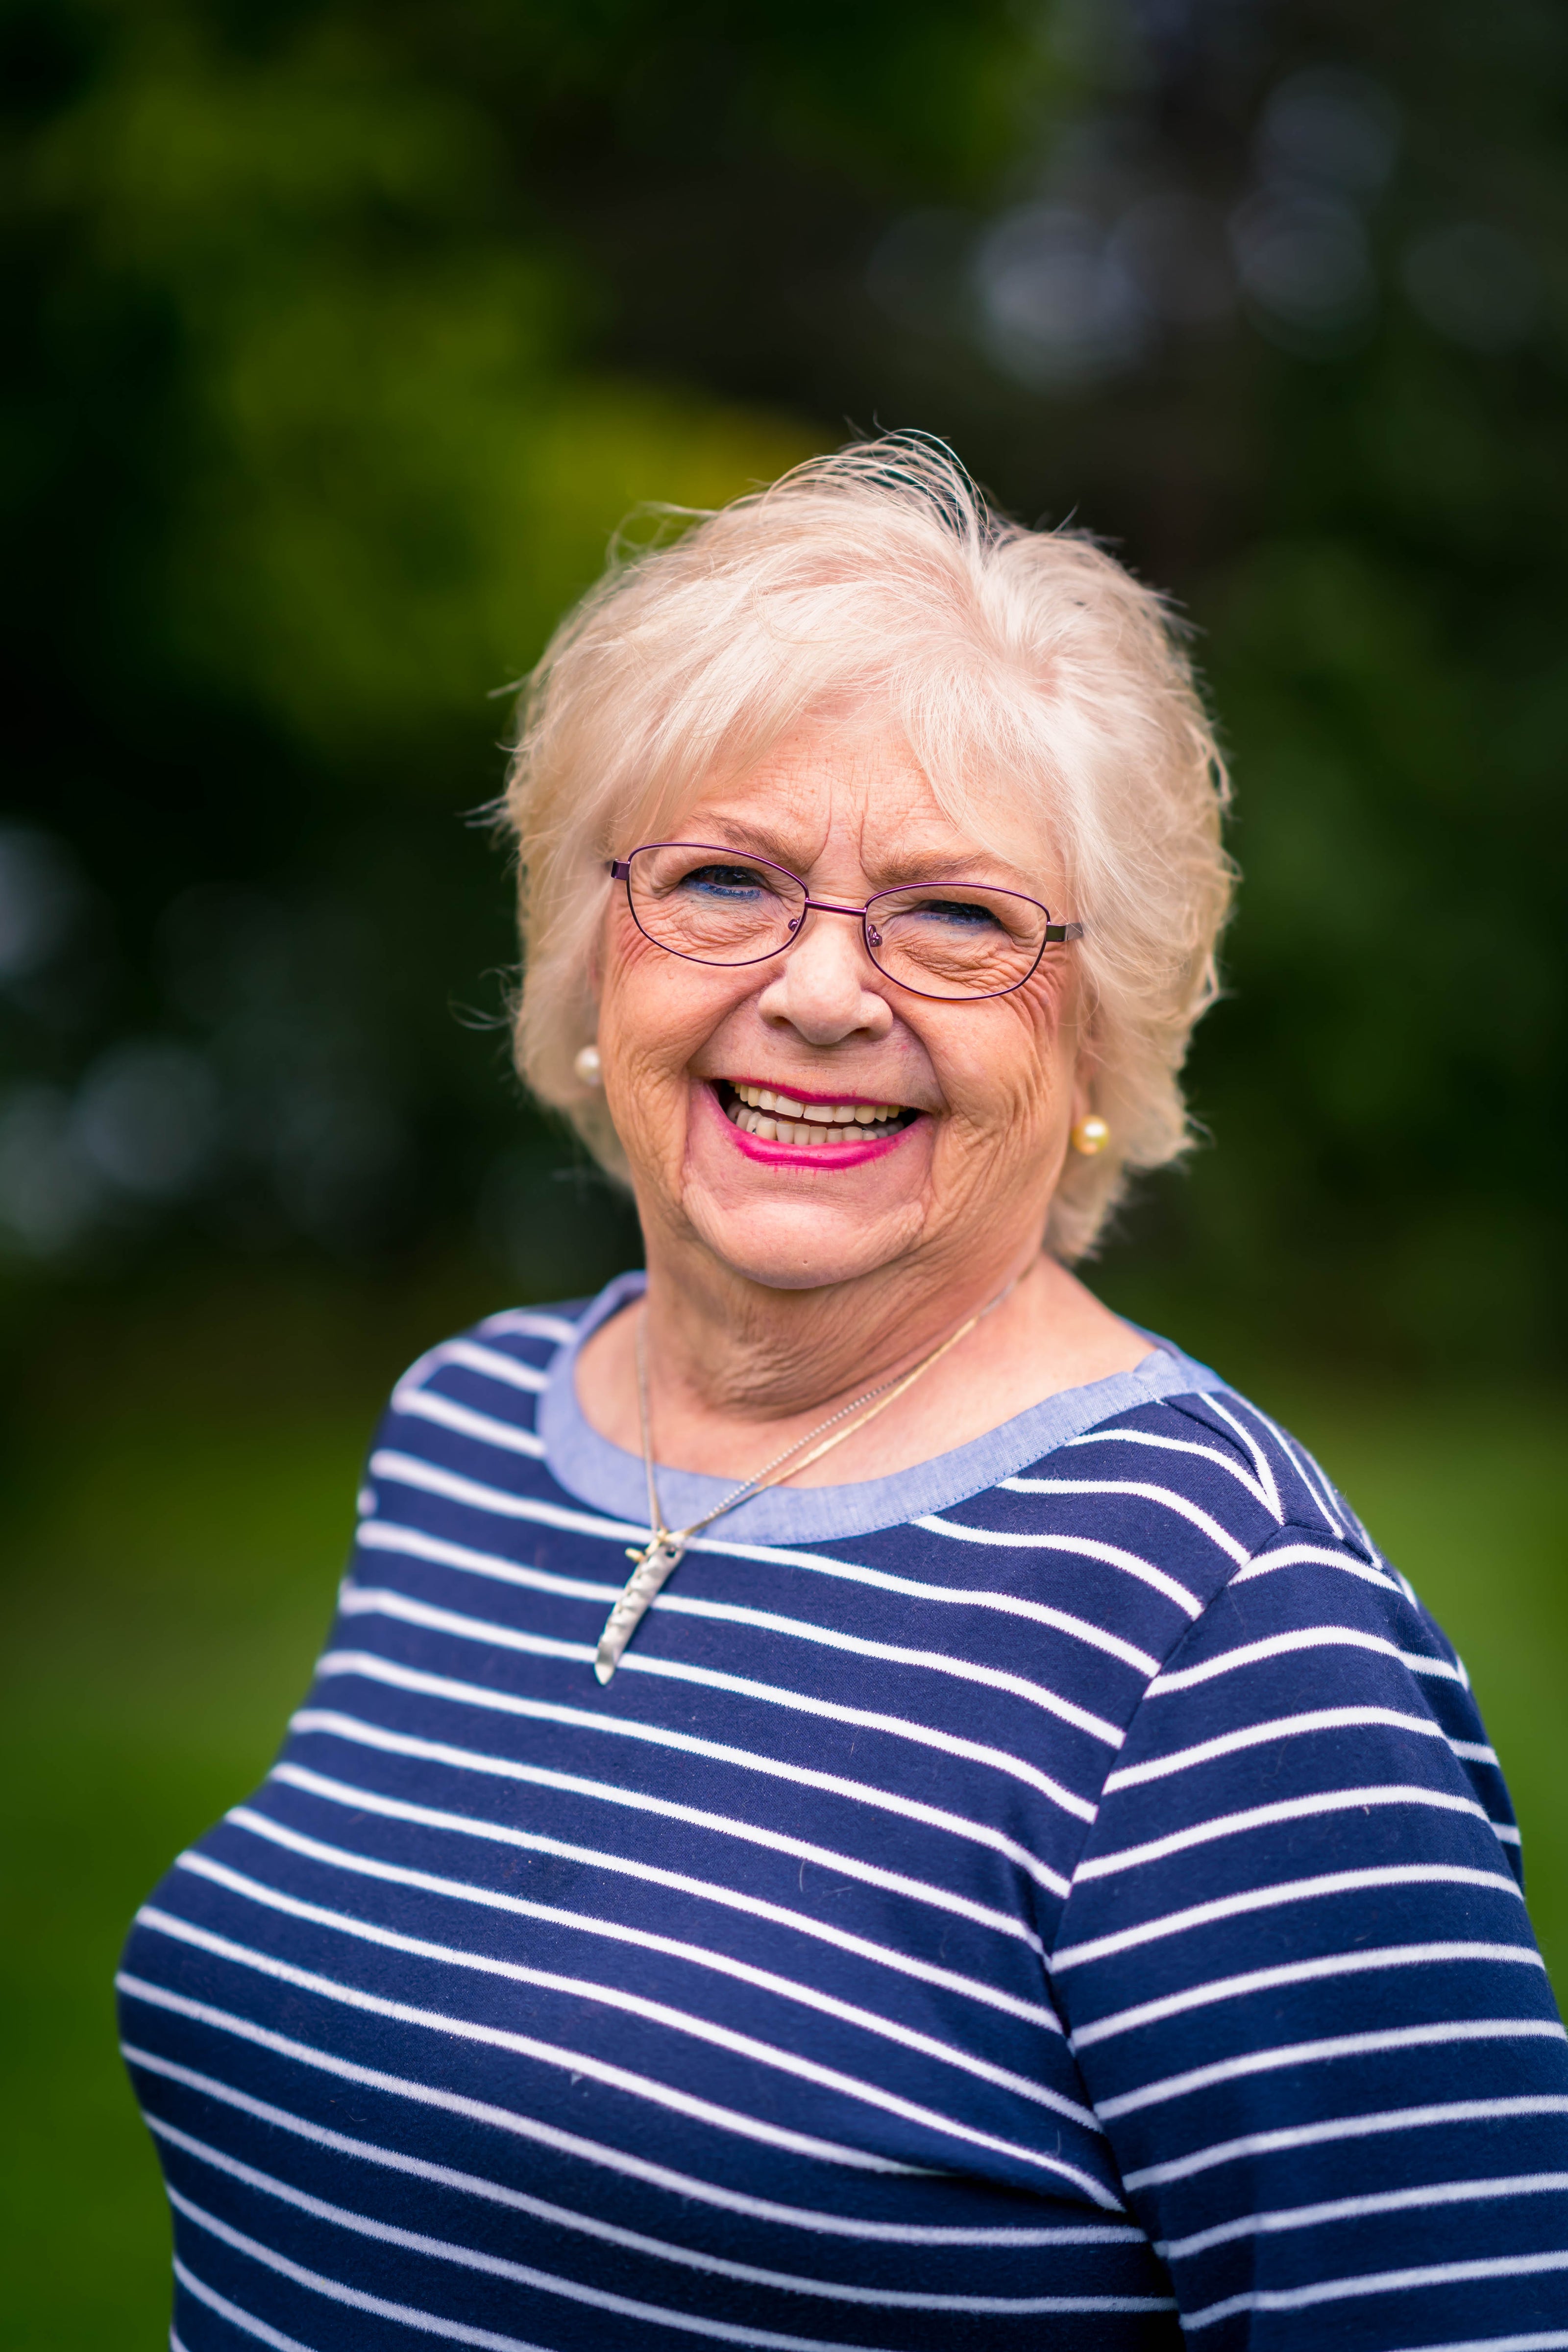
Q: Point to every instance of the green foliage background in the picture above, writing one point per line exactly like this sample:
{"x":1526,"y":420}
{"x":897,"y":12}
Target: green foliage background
{"x":343,"y":338}
{"x":347,"y":337}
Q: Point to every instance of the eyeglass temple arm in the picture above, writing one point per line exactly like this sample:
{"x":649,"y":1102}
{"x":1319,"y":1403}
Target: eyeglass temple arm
{"x":1057,"y":934}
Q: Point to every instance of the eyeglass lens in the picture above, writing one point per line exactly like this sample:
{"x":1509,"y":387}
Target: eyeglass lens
{"x":945,"y":939}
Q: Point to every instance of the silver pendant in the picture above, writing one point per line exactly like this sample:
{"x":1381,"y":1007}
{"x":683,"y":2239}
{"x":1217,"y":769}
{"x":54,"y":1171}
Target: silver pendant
{"x":656,"y":1563}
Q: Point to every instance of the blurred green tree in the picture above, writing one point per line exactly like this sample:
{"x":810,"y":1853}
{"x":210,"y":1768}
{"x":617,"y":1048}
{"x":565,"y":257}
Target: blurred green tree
{"x":346,"y":336}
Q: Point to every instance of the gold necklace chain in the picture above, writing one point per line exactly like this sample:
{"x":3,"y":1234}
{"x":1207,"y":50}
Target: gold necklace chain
{"x":656,"y":1560}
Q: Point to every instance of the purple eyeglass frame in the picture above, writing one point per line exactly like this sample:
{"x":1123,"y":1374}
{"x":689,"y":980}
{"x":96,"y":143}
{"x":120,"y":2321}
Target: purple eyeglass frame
{"x":1055,"y":934}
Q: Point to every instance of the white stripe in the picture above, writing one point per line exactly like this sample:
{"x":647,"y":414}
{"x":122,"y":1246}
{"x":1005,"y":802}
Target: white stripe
{"x":423,"y":1404}
{"x":245,"y":2321}
{"x":653,"y":2012}
{"x":1244,"y":1478}
{"x":1343,"y":1520}
{"x":430,"y":1478}
{"x":509,"y":1370}
{"x":1356,"y":2208}
{"x":386,"y":1535}
{"x":471,"y":2184}
{"x":370,"y":1800}
{"x":892,"y":1653}
{"x":530,"y":1324}
{"x":1260,"y":1461}
{"x":626,"y":2306}
{"x":1081,"y":1546}
{"x":1319,"y":2135}
{"x":1307,"y":1637}
{"x":1287,"y":1808}
{"x":355,"y":1599}
{"x":1256,"y":1735}
{"x":1168,"y":1496}
{"x":1315,"y":1555}
{"x":1553,"y":2340}
{"x":669,"y":1947}
{"x":1302,"y":2298}
{"x":1318,"y":1485}
{"x":410,"y":1470}
{"x":453,"y":2331}
{"x":683,"y":2185}
{"x":378,"y":1535}
{"x":359,"y":1600}
{"x":1263,"y":1898}
{"x":521,"y":2045}
{"x":459,"y":2332}
{"x":1476,"y":1751}
{"x":328,"y":1722}
{"x":1291,"y":1972}
{"x":1444,"y":2034}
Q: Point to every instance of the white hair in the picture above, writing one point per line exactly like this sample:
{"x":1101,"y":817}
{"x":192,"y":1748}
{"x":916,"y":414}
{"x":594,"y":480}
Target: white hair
{"x":1043,"y":690}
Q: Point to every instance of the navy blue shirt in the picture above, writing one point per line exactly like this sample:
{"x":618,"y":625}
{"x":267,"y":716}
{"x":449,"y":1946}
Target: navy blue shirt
{"x":1059,"y":1896}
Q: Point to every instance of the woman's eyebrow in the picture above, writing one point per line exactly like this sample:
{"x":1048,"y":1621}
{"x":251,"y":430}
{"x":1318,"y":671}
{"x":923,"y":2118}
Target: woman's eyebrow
{"x":977,"y":866}
{"x":907,"y":870}
{"x":734,"y":832}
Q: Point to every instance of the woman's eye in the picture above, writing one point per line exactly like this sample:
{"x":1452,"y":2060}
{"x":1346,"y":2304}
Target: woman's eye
{"x":722,"y":879}
{"x":962,"y":913}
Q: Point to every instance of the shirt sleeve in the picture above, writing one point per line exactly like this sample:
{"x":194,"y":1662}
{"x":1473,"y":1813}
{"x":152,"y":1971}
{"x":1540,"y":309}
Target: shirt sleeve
{"x":1301,"y":1984}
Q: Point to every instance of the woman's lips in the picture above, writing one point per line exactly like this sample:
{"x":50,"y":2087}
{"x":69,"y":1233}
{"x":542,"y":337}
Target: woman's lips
{"x":826,"y":1131}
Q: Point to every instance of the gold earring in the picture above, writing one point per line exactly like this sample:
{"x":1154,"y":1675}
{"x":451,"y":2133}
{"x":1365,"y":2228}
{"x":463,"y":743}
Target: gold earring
{"x":1090,"y":1134}
{"x":589,"y":1067}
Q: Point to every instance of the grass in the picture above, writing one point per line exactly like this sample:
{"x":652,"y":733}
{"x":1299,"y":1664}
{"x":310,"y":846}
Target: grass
{"x":173,"y":1540}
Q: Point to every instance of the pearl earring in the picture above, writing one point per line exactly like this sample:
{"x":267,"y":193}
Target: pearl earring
{"x":589,"y":1067}
{"x":1090,"y":1134}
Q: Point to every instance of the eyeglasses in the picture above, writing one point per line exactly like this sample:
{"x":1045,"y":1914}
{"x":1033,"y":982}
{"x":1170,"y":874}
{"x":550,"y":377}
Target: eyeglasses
{"x":944,"y":940}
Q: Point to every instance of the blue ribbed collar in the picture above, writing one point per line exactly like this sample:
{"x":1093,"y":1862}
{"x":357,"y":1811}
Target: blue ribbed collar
{"x":613,"y":1481}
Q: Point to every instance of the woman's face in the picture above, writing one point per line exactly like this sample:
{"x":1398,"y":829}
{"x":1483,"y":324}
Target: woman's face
{"x":994,"y":1084}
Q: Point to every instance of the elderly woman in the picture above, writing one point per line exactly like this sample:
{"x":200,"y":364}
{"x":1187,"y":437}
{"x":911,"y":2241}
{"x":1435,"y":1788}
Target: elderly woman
{"x":856,"y":1799}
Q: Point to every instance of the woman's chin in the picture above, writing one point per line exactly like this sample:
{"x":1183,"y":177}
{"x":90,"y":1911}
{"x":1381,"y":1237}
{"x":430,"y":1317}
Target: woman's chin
{"x":800,"y":1246}
{"x":804,"y":1226}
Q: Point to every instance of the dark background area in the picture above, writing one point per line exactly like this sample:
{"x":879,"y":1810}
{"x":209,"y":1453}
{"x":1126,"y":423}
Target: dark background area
{"x":344,"y":336}
{"x":341,"y":337}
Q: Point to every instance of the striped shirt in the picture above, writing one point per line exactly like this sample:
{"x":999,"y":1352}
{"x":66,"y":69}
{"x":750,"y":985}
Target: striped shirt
{"x":1061,"y":1895}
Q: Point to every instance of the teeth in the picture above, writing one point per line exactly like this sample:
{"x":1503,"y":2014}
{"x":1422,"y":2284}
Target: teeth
{"x":794,"y":1122}
{"x":820,"y":1114}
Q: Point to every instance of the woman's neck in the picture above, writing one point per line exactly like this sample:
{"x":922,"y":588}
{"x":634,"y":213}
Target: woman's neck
{"x":736,"y":1371}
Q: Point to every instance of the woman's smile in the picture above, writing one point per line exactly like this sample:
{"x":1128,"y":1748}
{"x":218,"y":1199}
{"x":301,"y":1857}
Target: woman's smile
{"x":794,"y":1126}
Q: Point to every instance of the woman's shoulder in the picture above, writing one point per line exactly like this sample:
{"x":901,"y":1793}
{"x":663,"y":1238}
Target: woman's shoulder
{"x":1202,"y":1438}
{"x":1175,"y":1436}
{"x":470,"y":1405}
{"x":514,"y":1343}
{"x":1190,"y":1494}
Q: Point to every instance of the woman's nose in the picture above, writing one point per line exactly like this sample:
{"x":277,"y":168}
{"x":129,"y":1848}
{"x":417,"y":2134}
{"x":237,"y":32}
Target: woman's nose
{"x":827,"y":987}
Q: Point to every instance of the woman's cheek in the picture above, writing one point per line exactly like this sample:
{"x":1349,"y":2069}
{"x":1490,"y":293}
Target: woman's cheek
{"x":1004,"y":1080}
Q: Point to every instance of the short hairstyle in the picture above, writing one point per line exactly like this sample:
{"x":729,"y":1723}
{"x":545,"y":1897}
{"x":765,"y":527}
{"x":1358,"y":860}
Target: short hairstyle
{"x":1044,"y":691}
